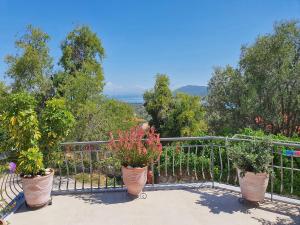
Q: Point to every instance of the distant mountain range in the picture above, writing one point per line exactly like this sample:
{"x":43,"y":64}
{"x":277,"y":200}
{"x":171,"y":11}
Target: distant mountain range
{"x":193,"y":90}
{"x":138,"y":98}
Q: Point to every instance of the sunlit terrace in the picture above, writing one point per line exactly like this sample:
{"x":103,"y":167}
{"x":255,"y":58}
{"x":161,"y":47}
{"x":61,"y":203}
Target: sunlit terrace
{"x":194,"y":182}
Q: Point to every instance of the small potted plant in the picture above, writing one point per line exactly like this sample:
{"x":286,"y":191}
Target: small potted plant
{"x":252,"y":160}
{"x":136,"y":149}
{"x":36,"y":180}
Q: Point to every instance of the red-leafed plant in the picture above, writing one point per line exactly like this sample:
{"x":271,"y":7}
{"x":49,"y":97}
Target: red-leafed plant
{"x":136,"y":147}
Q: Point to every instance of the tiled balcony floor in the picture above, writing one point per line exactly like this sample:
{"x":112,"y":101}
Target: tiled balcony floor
{"x":170,"y":207}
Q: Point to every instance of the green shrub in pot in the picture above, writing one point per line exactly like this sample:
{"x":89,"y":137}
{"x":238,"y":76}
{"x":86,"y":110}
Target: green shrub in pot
{"x":30,"y":163}
{"x":36,"y":180}
{"x":253,"y":156}
{"x":252,"y":160}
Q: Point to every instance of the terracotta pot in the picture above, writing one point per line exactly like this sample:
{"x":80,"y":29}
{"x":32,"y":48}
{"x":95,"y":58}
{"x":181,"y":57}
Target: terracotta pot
{"x":253,"y":186}
{"x":37,"y":190}
{"x":3,"y":222}
{"x":134,"y":179}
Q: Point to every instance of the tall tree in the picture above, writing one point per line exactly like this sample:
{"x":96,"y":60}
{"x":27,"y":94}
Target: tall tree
{"x":271,"y":69}
{"x":265,"y":91}
{"x":31,"y":67}
{"x":96,"y":119}
{"x":186,"y":118}
{"x":158,"y":102}
{"x":224,"y":101}
{"x":82,"y":55}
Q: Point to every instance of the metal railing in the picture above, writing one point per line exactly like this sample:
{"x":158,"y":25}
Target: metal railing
{"x":185,"y":160}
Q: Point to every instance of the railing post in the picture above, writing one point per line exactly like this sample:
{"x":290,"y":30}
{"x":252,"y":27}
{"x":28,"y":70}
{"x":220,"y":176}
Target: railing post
{"x":281,"y":173}
{"x":212,"y":165}
{"x":272,"y":174}
{"x":153,"y":176}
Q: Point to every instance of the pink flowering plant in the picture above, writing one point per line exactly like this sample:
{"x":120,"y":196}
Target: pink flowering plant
{"x":136,"y":147}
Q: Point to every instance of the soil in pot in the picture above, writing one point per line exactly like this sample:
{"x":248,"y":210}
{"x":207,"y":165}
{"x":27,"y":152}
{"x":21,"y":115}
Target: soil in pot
{"x":37,"y":190}
{"x":253,"y":186}
{"x":134,"y":179}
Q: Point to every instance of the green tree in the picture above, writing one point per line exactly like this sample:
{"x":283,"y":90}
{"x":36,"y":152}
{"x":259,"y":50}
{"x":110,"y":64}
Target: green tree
{"x":82,"y":54}
{"x":3,"y":97}
{"x":186,"y":118}
{"x":158,"y":102}
{"x":31,"y":67}
{"x":20,"y":122}
{"x":56,"y":123}
{"x":226,"y":90}
{"x":96,"y":119}
{"x":4,"y":90}
{"x":271,"y":68}
{"x":264,"y":93}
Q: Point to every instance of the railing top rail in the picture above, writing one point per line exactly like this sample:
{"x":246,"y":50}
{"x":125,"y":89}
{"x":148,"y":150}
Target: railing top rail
{"x":215,"y":138}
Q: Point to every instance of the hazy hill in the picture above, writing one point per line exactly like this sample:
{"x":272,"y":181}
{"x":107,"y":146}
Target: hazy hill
{"x":193,"y":90}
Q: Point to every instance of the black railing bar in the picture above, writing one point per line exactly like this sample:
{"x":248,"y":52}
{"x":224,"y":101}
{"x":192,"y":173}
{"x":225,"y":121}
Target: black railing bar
{"x":216,"y":138}
{"x":286,"y":168}
{"x":5,"y":187}
{"x":261,"y":138}
{"x":10,"y":183}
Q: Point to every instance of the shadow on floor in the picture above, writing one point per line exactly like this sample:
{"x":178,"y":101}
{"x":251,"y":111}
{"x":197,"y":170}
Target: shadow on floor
{"x":222,"y":201}
{"x":106,"y":198}
{"x":279,"y":221}
{"x":93,"y":198}
{"x":25,"y":208}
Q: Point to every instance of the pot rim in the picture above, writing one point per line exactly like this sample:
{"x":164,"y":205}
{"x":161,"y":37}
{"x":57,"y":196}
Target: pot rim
{"x":39,"y":177}
{"x":249,"y":172}
{"x":135,"y":168}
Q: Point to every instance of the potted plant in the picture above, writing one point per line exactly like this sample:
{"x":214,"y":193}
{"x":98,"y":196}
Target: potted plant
{"x":36,"y":180}
{"x":136,"y":149}
{"x":252,"y":160}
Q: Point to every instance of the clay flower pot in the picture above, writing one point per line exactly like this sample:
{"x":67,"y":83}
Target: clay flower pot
{"x":134,"y":179}
{"x":37,"y":190}
{"x":253,"y":186}
{"x":3,"y":222}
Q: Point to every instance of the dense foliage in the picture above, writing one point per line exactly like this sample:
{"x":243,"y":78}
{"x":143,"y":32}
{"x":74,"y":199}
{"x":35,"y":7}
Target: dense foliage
{"x":66,"y":104}
{"x":19,"y":121}
{"x":186,"y":117}
{"x":31,"y":68}
{"x":264,"y":91}
{"x":158,"y":102}
{"x":30,"y":163}
{"x":251,"y":156}
{"x":56,"y":123}
{"x":180,"y":115}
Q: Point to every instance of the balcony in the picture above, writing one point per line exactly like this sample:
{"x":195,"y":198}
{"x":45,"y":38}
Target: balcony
{"x":194,"y":183}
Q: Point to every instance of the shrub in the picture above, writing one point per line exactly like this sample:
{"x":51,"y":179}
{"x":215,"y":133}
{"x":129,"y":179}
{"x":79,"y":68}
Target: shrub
{"x":20,"y":122}
{"x":56,"y":123}
{"x":252,"y":156}
{"x":30,"y":163}
{"x":133,"y":150}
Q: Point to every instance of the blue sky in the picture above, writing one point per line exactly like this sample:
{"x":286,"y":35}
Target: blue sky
{"x":184,"y":39}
